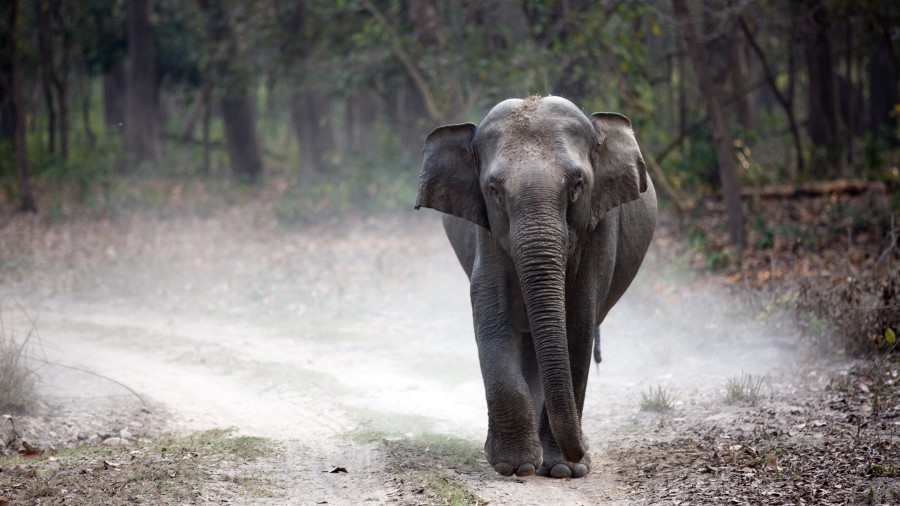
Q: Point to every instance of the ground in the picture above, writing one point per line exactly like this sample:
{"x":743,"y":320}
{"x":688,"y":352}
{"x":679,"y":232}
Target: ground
{"x":234,"y":361}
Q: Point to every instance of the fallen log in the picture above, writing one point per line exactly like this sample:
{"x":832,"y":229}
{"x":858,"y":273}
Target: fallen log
{"x":815,"y":189}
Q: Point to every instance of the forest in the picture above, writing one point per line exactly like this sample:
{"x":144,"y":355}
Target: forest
{"x":334,"y":98}
{"x":214,"y":287}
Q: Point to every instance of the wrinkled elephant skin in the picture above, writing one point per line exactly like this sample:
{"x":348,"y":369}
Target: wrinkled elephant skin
{"x":550,"y":213}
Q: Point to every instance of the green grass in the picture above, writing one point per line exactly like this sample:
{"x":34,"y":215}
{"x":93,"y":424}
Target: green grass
{"x":218,"y":442}
{"x":422,"y":461}
{"x":657,"y":399}
{"x":745,"y":388}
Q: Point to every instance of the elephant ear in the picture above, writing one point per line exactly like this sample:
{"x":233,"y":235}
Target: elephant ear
{"x":620,"y":174}
{"x":449,"y":179}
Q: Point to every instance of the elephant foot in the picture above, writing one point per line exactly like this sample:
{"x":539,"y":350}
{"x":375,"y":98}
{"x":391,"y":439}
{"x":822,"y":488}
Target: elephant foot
{"x":556,"y":466}
{"x":521,"y":458}
{"x":564,"y":469}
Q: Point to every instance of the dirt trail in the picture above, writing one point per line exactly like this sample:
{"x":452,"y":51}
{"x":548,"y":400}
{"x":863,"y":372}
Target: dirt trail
{"x":308,"y":336}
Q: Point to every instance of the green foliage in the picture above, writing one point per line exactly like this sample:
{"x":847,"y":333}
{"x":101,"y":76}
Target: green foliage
{"x":765,"y":235}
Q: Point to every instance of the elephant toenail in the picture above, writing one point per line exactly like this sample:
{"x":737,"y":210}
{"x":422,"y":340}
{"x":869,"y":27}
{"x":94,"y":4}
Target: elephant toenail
{"x":580,"y":470}
{"x":525,"y":470}
{"x":503,"y":468}
{"x":561,"y":471}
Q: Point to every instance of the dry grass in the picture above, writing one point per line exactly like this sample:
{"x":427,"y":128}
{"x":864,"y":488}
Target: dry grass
{"x":16,"y":377}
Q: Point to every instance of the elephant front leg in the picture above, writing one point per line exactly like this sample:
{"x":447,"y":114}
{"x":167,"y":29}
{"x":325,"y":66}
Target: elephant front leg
{"x":580,"y":340}
{"x":512,"y":445}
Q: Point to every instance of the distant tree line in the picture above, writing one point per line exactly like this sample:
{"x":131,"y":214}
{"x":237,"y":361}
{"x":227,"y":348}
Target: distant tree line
{"x":721,"y":91}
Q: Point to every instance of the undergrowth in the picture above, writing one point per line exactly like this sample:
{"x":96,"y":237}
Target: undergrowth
{"x":17,"y":378}
{"x":657,"y":399}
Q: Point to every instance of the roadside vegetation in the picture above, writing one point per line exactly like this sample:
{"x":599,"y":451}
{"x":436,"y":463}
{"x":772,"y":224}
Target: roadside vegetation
{"x":166,"y":469}
{"x":17,"y":374}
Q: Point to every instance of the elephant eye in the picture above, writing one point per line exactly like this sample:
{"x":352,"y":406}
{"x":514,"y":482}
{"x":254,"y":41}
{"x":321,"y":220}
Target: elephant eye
{"x":495,"y":194}
{"x":576,"y":190}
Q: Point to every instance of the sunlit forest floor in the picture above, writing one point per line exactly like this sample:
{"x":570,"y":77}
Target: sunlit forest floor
{"x":221,"y":357}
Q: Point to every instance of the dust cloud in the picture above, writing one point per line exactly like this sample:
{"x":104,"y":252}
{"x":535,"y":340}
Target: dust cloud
{"x":354,"y":326}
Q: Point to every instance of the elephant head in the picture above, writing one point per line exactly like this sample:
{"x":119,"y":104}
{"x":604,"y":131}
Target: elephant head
{"x":539,"y":176}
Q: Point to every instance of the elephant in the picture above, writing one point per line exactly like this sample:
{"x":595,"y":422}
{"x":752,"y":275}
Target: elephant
{"x":550,"y":212}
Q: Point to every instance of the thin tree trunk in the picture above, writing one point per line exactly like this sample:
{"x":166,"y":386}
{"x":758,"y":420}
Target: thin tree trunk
{"x":311,"y":116}
{"x":190,"y":123}
{"x":428,"y":34}
{"x":740,"y":74}
{"x":61,"y":84}
{"x":415,"y":74}
{"x":785,"y":101}
{"x":20,"y":145}
{"x":114,"y":96}
{"x":884,"y":74}
{"x":207,"y":119}
{"x":86,"y":93}
{"x":849,"y":92}
{"x":48,"y":69}
{"x":823,"y":102}
{"x":721,"y":136}
{"x":141,"y":129}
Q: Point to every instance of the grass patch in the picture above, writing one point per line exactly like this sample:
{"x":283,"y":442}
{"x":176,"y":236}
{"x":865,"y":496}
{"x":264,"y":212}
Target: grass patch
{"x":657,"y":399}
{"x":219,"y":443}
{"x":170,"y":470}
{"x":16,"y":377}
{"x":743,"y":389}
{"x":423,"y":461}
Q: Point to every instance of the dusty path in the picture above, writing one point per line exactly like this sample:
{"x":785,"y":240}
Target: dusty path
{"x":313,"y":336}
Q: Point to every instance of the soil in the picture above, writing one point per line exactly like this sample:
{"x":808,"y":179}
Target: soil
{"x":349,"y":346}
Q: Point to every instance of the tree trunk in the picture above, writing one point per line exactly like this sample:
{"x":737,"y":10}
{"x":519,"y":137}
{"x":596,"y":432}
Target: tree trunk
{"x":785,"y":99}
{"x":48,"y":69}
{"x":739,"y":76}
{"x":883,"y":90}
{"x":311,"y":115}
{"x":61,"y":83}
{"x":86,"y":92}
{"x":114,"y":96}
{"x":721,"y":136}
{"x":207,"y":120}
{"x":20,"y":145}
{"x":823,"y":98}
{"x":238,"y":107}
{"x":427,"y":33}
{"x":141,"y":115}
{"x":239,"y":116}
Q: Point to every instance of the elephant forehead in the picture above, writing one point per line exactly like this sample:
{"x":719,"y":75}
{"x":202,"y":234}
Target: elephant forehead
{"x":556,"y":157}
{"x":547,"y":120}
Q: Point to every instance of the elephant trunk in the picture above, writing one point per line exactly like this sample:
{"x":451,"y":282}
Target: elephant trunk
{"x":539,"y":247}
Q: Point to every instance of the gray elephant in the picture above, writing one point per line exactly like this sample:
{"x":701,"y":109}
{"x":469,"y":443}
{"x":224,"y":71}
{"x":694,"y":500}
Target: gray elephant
{"x":550,"y":214}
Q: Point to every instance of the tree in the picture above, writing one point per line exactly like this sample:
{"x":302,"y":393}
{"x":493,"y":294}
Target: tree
{"x":822,"y":91}
{"x":238,"y":109}
{"x":141,"y":109}
{"x":786,"y":98}
{"x":721,"y":135}
{"x":20,"y":146}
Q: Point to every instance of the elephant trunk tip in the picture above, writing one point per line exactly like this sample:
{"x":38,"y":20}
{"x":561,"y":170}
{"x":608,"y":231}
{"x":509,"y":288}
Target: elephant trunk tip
{"x":572,"y":450}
